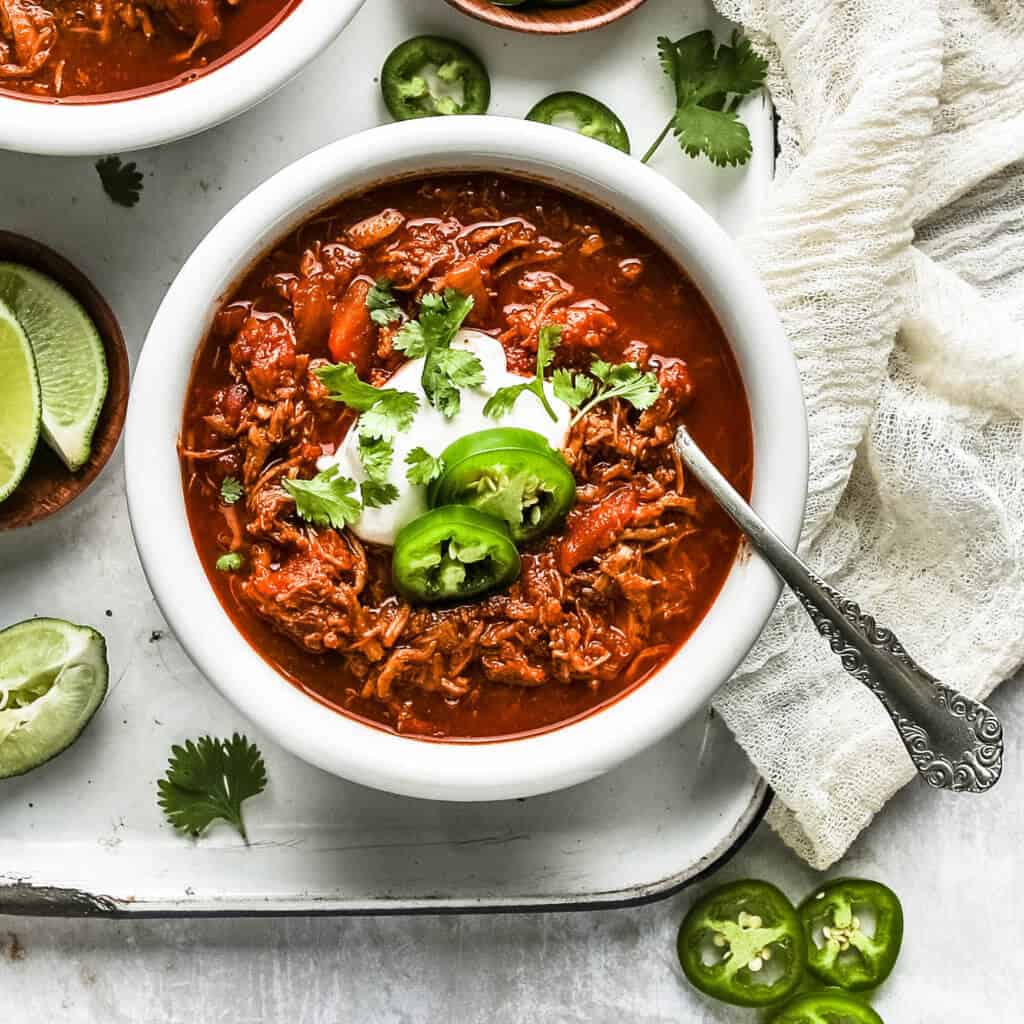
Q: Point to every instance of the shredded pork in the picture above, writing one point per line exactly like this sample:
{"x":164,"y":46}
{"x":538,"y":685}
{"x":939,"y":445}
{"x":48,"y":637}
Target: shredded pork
{"x":595,"y":602}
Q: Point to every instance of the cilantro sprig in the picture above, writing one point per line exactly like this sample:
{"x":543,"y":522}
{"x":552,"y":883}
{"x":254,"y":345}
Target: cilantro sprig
{"x":445,"y":370}
{"x":423,"y":468}
{"x":376,"y":454}
{"x":122,"y":182}
{"x":385,"y":413}
{"x":230,"y":490}
{"x":382,"y":304}
{"x":709,"y":85}
{"x":503,"y":400}
{"x":624,"y":380}
{"x":209,"y":779}
{"x":328,"y":499}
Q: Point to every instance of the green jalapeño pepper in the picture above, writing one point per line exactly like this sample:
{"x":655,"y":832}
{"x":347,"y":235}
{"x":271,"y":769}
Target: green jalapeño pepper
{"x":826,"y":1008}
{"x":583,"y":114}
{"x":429,"y":75}
{"x":509,"y":473}
{"x":743,"y":944}
{"x":841,"y":949}
{"x":453,"y":554}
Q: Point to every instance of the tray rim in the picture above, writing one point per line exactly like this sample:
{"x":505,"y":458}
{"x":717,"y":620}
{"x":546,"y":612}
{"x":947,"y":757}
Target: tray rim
{"x":22,"y":899}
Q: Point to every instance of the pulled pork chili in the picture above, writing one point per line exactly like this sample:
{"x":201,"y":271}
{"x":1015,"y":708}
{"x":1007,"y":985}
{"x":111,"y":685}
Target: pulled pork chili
{"x":603,"y":600}
{"x":88,"y":50}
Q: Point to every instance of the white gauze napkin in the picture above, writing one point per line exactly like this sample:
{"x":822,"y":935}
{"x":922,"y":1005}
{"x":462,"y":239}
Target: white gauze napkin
{"x":892,"y":247}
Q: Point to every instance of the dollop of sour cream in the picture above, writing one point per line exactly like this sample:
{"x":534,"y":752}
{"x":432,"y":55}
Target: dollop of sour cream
{"x":430,"y":430}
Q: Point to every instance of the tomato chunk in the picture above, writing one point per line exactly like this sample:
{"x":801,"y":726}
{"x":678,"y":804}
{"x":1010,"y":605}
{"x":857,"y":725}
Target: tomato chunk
{"x":467,"y":277}
{"x":593,"y":528}
{"x":353,"y":333}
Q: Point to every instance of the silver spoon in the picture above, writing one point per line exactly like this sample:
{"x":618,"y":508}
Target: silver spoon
{"x":955,"y":742}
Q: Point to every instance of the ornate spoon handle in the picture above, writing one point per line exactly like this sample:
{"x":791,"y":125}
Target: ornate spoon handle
{"x":955,"y":743}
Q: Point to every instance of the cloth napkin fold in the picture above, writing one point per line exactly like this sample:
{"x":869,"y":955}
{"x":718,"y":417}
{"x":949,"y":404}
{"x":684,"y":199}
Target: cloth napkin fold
{"x":891,"y":245}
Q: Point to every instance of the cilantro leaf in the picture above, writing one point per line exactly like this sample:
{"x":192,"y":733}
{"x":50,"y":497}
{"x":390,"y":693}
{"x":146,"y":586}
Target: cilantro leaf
{"x":708,"y":86}
{"x":344,"y":385}
{"x":461,"y":367}
{"x":573,"y":389}
{"x":230,"y":490}
{"x":382,"y":304}
{"x":230,"y":562}
{"x":445,"y":370}
{"x":377,"y":493}
{"x":208,"y":779}
{"x":719,"y":134}
{"x":326,"y":500}
{"x":503,"y":400}
{"x":391,"y":414}
{"x":121,"y":182}
{"x":441,"y":316}
{"x":548,"y":339}
{"x":376,"y":455}
{"x":624,"y":380}
{"x":423,"y":467}
{"x":385,"y":411}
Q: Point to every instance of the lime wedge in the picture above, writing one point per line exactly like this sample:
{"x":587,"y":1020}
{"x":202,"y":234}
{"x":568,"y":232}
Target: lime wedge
{"x":20,"y":404}
{"x":53,"y":676}
{"x":69,"y":355}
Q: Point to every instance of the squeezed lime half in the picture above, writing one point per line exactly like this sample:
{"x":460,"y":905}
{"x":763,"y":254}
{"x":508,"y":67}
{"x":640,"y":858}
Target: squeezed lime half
{"x":53,"y":677}
{"x":20,"y":402}
{"x":70,"y":360}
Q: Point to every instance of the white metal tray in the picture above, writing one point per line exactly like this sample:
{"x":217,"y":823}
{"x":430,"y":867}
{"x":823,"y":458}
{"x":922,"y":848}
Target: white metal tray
{"x":83,"y":835}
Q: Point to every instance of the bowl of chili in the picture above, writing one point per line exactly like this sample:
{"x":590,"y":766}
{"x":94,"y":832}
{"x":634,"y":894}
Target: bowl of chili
{"x":268,"y":633}
{"x":547,"y":17}
{"x":112,"y":76}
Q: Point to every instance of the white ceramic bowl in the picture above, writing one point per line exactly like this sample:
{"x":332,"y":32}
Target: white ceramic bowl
{"x":92,"y":129}
{"x":344,"y":746}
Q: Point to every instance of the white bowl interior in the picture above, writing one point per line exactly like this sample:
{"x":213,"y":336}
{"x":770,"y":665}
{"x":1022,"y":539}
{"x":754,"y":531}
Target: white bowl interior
{"x":31,"y":126}
{"x":344,"y":746}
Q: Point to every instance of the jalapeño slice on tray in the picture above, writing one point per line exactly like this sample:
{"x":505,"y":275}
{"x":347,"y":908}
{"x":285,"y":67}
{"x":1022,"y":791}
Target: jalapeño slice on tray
{"x":451,"y":554}
{"x":429,"y":76}
{"x":854,"y":930}
{"x":743,"y":944}
{"x":583,"y":114}
{"x":510,"y":473}
{"x":53,"y":677}
{"x":828,"y":1007}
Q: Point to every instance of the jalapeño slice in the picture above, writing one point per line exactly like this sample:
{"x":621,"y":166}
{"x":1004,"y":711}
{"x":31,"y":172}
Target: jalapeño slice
{"x":826,"y":1008}
{"x":451,"y":554}
{"x":743,"y":944}
{"x":428,"y":76}
{"x":854,"y":930}
{"x":581,"y":113}
{"x":509,"y":473}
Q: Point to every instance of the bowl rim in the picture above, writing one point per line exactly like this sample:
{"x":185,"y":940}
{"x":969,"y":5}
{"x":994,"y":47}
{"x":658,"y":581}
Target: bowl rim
{"x":342,"y":745}
{"x":546,"y":21}
{"x":112,"y":126}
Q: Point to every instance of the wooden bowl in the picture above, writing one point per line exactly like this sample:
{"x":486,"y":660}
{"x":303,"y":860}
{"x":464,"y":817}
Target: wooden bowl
{"x":49,"y":485}
{"x":549,"y":20}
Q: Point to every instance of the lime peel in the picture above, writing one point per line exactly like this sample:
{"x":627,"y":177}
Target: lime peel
{"x":53,"y":677}
{"x":20,"y":402}
{"x":69,"y":356}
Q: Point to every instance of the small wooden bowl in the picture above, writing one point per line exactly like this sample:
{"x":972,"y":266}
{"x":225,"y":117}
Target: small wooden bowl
{"x":49,"y":485}
{"x":549,"y":20}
